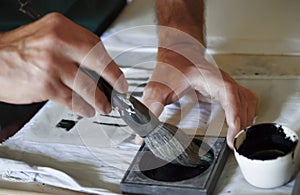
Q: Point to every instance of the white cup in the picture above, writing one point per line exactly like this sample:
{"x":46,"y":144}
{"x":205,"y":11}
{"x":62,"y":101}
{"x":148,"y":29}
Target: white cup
{"x":265,"y":154}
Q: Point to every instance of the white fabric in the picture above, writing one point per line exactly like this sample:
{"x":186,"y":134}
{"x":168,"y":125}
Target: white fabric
{"x":100,"y":169}
{"x":94,"y":160}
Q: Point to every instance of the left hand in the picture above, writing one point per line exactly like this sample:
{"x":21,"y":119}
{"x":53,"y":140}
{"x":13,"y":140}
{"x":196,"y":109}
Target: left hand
{"x":176,"y":74}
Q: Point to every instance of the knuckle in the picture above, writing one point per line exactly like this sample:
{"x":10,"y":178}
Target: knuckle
{"x":55,"y":17}
{"x":157,"y":91}
{"x":53,"y":38}
{"x":55,"y":22}
{"x":150,"y":88}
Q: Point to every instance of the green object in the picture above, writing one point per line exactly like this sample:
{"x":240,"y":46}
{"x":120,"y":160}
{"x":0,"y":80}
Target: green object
{"x":95,"y":15}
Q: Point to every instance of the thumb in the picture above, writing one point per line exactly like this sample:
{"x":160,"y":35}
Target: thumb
{"x":233,"y":129}
{"x":154,"y":105}
{"x":155,"y":97}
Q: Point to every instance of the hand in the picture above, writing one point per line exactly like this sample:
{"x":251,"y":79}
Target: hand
{"x":182,"y":68}
{"x":40,"y":61}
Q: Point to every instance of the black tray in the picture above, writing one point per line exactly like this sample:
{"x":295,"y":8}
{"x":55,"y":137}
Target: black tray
{"x":138,"y":181}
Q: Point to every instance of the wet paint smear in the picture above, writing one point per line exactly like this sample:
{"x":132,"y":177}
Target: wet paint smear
{"x":66,"y":124}
{"x":266,"y":142}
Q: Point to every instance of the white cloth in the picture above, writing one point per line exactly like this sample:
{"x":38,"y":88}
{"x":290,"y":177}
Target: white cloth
{"x":100,"y":169}
{"x":94,"y":160}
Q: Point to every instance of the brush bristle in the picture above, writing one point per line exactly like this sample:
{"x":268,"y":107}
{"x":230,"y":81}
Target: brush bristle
{"x":169,"y":143}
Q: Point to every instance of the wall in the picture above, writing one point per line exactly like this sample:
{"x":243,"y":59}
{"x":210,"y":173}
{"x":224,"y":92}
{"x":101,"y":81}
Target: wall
{"x":232,"y":26}
{"x":256,"y":26}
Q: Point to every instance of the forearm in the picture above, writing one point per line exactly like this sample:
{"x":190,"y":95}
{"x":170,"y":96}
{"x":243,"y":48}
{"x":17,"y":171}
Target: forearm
{"x":183,"y":15}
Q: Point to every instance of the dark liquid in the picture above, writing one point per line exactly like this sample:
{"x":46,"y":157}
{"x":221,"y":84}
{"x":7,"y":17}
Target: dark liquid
{"x":165,"y":171}
{"x":265,"y":142}
{"x":266,"y":154}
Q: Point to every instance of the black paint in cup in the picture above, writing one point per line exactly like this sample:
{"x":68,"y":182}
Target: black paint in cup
{"x":266,"y":141}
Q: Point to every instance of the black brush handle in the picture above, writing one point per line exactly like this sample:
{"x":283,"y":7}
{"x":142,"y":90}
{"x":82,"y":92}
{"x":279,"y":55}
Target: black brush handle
{"x":27,"y":8}
{"x":135,"y":114}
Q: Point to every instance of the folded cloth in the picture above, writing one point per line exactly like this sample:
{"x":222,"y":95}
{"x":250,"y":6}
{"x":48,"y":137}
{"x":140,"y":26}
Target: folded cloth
{"x":21,"y":172}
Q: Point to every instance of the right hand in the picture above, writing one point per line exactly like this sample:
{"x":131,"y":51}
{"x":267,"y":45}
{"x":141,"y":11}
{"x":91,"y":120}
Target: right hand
{"x":40,"y":61}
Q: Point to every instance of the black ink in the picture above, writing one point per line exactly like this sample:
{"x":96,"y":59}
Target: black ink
{"x":79,"y":117}
{"x":174,"y":172}
{"x":66,"y":124}
{"x":109,"y":124}
{"x":266,"y":141}
{"x":137,"y":84}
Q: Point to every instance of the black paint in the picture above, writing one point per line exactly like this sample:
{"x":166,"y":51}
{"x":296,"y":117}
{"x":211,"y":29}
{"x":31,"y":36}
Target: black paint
{"x":110,"y":124}
{"x":66,"y":124}
{"x":173,"y":172}
{"x":265,"y":142}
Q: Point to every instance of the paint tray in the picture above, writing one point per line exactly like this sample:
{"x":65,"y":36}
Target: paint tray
{"x":149,"y":175}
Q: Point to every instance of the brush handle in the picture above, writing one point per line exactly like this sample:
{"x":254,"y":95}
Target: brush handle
{"x":27,"y":8}
{"x":135,"y":114}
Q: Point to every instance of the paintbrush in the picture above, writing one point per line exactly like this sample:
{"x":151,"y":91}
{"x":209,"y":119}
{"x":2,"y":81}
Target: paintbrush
{"x":164,"y":140}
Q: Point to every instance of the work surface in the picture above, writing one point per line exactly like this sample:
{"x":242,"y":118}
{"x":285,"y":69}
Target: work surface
{"x":93,"y":156}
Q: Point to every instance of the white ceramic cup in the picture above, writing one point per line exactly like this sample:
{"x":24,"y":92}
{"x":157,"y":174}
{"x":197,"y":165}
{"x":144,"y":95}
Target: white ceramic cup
{"x":265,"y":154}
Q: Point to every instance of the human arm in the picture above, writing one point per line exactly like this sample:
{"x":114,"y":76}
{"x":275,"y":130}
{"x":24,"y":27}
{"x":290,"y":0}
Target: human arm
{"x":182,"y":67}
{"x":41,"y":60}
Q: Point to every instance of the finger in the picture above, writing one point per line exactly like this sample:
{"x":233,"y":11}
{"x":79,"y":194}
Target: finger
{"x":252,"y":106}
{"x":115,"y":77}
{"x":232,"y":132}
{"x":99,"y":60}
{"x":89,"y":91}
{"x":243,"y":113}
{"x":80,"y":106}
{"x":155,"y":97}
{"x":66,"y":97}
{"x":85,"y":87}
{"x":231,"y":105}
{"x":138,"y":140}
{"x":251,"y":114}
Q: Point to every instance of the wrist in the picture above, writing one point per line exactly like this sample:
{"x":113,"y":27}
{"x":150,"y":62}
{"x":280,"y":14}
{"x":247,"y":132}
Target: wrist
{"x":179,"y":52}
{"x":184,"y":16}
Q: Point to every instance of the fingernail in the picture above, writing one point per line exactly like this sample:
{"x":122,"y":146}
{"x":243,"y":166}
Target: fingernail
{"x":156,"y":108}
{"x":124,"y":87}
{"x":138,"y":140}
{"x":232,"y":132}
{"x":230,"y":144}
{"x":108,"y":109}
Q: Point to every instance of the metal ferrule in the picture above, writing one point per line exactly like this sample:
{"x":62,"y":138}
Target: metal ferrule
{"x":134,"y":113}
